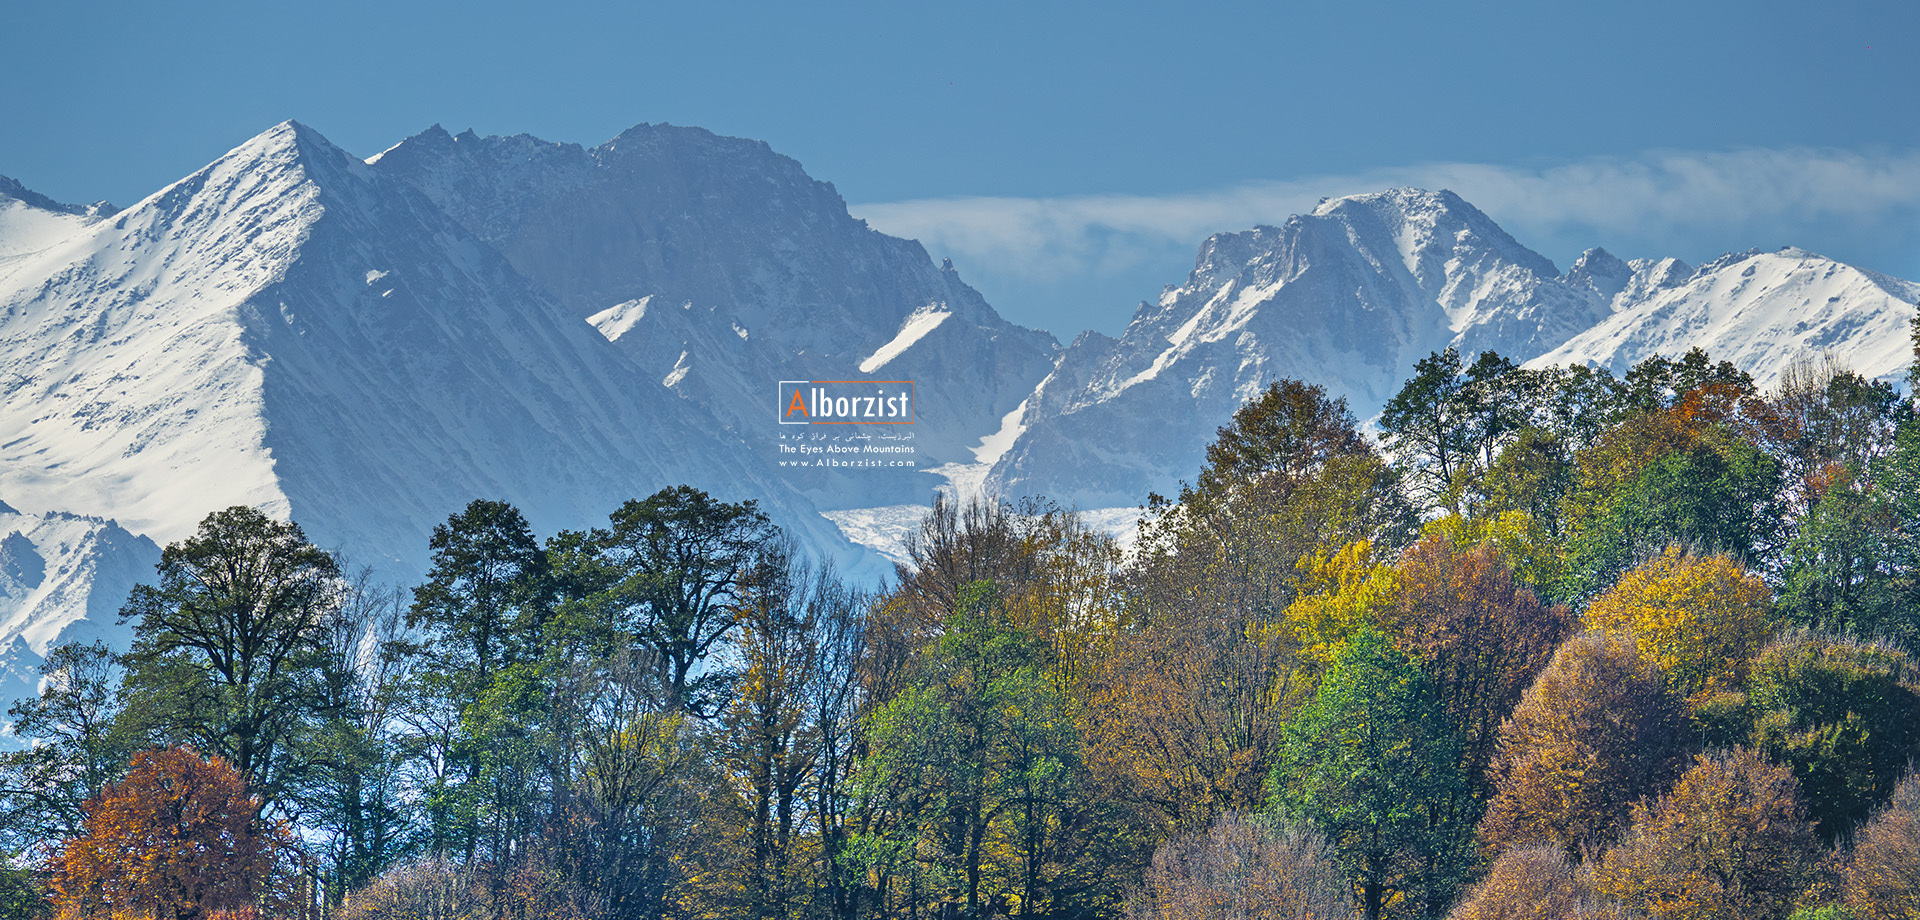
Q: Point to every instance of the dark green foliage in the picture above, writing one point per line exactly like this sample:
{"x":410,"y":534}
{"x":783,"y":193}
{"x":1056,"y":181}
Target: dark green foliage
{"x":1712,"y":491}
{"x":1841,"y":714}
{"x":1660,"y":382}
{"x":675,"y":563}
{"x":1841,"y":575}
{"x":230,"y":649}
{"x":22,"y":896}
{"x":1372,"y":762}
{"x":1532,"y":474}
{"x":480,"y":619}
{"x":1428,"y":429}
{"x":486,"y":599}
{"x":976,"y":765}
{"x":1897,"y":480}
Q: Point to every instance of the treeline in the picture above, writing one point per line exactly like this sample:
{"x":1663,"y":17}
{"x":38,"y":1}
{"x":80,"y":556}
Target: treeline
{"x":1557,"y":644}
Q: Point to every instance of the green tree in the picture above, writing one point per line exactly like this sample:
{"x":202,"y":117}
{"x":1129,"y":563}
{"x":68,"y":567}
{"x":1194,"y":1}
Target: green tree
{"x":1372,"y":762}
{"x":1840,"y":573}
{"x":76,"y":749}
{"x":486,"y":599}
{"x":230,"y":646}
{"x":1665,"y":478}
{"x":678,"y":560}
{"x":973,"y":761}
{"x":1842,"y":714}
{"x":1427,"y":431}
{"x":480,"y":617}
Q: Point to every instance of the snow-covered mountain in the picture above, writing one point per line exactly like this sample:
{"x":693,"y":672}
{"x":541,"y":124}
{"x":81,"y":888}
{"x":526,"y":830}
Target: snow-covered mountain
{"x":1353,"y":294}
{"x":1348,"y":297}
{"x":365,"y":346}
{"x":722,"y":268}
{"x":290,"y":328}
{"x":1761,"y":310}
{"x":63,"y":578}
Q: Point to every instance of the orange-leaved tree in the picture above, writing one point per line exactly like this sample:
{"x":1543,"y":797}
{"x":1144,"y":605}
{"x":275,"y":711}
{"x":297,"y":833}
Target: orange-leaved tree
{"x":1731,"y":840}
{"x":177,"y":838}
{"x":1598,"y":729}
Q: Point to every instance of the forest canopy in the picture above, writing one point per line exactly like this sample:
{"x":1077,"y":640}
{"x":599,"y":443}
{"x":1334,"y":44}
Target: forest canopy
{"x":1545,"y":640}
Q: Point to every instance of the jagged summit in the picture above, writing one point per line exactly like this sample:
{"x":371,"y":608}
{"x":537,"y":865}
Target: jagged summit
{"x":1763,"y":311}
{"x":1347,"y":296}
{"x":721,"y":267}
{"x":11,"y":188}
{"x":1355,"y":292}
{"x":288,"y":328}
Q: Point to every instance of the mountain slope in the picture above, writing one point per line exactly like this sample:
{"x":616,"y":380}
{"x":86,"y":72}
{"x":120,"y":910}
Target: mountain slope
{"x":1761,"y":310}
{"x":287,"y":328}
{"x":722,"y":268}
{"x":1352,"y":295}
{"x":1348,"y":297}
{"x":63,"y":578}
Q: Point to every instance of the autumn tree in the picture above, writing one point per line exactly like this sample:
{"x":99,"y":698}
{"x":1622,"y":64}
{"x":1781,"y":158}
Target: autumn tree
{"x":179,"y":837}
{"x":1244,"y":868}
{"x":1288,"y":478}
{"x":1186,"y":710}
{"x":1479,"y":636}
{"x":1536,"y":880}
{"x":637,"y":788}
{"x":1598,"y":729}
{"x":1829,"y":415}
{"x":1183,"y":718}
{"x":772,"y":746}
{"x":431,"y":888}
{"x":1881,"y":877}
{"x":1699,"y":618}
{"x":1372,"y":762}
{"x":230,"y":644}
{"x":1731,"y":840}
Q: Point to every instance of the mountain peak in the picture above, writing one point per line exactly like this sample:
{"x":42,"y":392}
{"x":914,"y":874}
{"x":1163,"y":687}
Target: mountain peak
{"x":11,"y":188}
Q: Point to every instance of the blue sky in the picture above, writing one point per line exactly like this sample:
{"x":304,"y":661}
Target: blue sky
{"x":1068,"y":157}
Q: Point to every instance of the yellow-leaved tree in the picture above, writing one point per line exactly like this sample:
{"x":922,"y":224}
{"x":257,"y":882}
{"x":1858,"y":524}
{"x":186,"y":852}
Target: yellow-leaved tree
{"x":1339,"y":590}
{"x":1699,"y":618}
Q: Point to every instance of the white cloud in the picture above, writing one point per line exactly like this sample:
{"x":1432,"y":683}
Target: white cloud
{"x":1710,"y":194}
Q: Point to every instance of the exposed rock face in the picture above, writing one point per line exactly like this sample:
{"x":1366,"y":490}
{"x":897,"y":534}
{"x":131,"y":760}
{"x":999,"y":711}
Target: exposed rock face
{"x":289,"y":329}
{"x":721,"y":268}
{"x":1349,"y":297}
